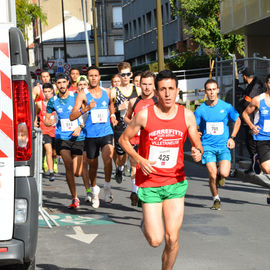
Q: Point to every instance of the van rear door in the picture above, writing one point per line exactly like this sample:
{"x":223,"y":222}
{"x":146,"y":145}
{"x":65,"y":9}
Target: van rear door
{"x":6,"y":139}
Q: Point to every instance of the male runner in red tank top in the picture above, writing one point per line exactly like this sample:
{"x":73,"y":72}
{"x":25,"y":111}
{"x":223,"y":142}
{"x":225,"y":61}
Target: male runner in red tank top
{"x":49,"y":159}
{"x":147,"y":98}
{"x":160,"y":171}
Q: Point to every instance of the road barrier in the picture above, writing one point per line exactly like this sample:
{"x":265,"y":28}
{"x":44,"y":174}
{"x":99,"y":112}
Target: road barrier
{"x":38,"y":176}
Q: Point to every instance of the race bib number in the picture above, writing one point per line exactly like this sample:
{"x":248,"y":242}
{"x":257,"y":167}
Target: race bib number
{"x":165,"y":157}
{"x":68,"y":125}
{"x":214,"y":128}
{"x":99,"y":116}
{"x":266,"y":126}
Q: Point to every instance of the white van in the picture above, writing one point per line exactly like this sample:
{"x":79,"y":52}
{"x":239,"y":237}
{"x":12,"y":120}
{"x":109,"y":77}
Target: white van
{"x":18,"y":188}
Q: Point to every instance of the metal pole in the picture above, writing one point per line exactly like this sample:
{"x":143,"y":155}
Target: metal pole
{"x":64,"y":32}
{"x":95,"y":32}
{"x":86,"y":36}
{"x":161,"y":65}
{"x":41,"y":42}
{"x":233,"y":103}
{"x":38,"y":175}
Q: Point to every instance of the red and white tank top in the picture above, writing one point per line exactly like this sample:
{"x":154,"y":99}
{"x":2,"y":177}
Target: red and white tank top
{"x":162,"y":141}
{"x":141,"y":104}
{"x":46,"y":130}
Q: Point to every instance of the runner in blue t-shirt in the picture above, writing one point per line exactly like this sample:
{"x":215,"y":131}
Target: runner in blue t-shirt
{"x":261,"y":127}
{"x":96,"y":102}
{"x":69,"y":137}
{"x":212,"y":117}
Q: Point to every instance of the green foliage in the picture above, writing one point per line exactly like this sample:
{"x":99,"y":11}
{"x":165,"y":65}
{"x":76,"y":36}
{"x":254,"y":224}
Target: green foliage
{"x":203,"y":20}
{"x":27,"y":13}
{"x":187,"y":60}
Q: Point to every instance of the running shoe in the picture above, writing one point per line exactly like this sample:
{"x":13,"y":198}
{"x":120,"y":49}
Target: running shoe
{"x":134,"y":198}
{"x":216,"y":205}
{"x":88,"y":197}
{"x":51,"y":177}
{"x":74,"y":204}
{"x":95,"y":198}
{"x":108,"y":197}
{"x":45,"y":165}
{"x":220,"y":181}
{"x":55,"y":166}
{"x":118,"y":176}
{"x":256,"y":164}
{"x":268,"y":200}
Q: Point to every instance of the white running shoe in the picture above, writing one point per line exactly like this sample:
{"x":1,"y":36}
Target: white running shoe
{"x":108,"y":197}
{"x":95,"y":198}
{"x":88,"y":197}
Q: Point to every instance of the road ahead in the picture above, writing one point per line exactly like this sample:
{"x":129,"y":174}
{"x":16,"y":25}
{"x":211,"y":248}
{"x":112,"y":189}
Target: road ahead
{"x":109,"y":238}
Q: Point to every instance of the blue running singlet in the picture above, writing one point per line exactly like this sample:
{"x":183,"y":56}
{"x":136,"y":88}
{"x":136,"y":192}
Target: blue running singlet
{"x":213,"y":123}
{"x":98,"y":122}
{"x":64,"y":127}
{"x":262,"y":119}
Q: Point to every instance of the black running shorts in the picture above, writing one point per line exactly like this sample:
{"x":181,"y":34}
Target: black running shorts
{"x":93,"y":145}
{"x":263,"y":150}
{"x":75,"y":147}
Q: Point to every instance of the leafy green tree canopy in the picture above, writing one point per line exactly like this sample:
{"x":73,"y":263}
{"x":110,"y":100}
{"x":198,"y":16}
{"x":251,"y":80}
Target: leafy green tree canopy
{"x":27,"y":13}
{"x":203,"y":20}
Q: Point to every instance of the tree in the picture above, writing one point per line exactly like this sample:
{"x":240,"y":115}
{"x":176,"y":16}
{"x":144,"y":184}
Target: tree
{"x":28,"y":13}
{"x":203,"y":20}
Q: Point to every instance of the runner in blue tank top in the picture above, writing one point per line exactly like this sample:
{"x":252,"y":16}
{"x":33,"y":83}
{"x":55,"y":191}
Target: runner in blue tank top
{"x":212,"y":117}
{"x":68,"y":134}
{"x":261,"y":127}
{"x":97,"y":103}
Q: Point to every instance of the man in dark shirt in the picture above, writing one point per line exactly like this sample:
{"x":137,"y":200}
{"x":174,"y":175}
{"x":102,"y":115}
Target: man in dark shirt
{"x":254,"y":88}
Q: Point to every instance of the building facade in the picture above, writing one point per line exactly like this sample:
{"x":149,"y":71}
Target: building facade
{"x":140,"y":30}
{"x":48,"y":43}
{"x":250,"y":18}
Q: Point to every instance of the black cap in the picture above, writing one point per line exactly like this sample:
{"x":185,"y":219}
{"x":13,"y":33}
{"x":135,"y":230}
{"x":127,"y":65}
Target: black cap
{"x":61,"y":76}
{"x":247,"y":72}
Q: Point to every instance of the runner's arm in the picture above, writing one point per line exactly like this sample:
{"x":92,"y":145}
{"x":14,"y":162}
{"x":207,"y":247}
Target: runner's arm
{"x":194,"y":137}
{"x":38,"y":109}
{"x":111,"y":108}
{"x":128,"y":115}
{"x":231,"y":142}
{"x":50,"y":109}
{"x":138,"y":122}
{"x":77,"y":110}
{"x":253,"y":105}
{"x":35,"y":92}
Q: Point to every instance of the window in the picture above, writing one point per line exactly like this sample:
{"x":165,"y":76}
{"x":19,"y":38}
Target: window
{"x":58,"y":53}
{"x":148,"y":21}
{"x":167,"y":12}
{"x":117,"y":17}
{"x":139,"y":26}
{"x":134,"y":27}
{"x":118,"y":47}
{"x":126,"y":31}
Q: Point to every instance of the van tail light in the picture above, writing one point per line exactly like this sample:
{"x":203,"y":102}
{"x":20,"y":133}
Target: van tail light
{"x":22,"y":121}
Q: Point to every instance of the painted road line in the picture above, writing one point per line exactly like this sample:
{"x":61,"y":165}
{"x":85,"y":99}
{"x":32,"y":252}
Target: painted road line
{"x":81,"y":236}
{"x":74,"y":220}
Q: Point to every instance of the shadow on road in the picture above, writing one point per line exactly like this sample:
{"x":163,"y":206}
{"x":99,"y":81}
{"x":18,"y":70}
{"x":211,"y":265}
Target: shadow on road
{"x":54,"y":267}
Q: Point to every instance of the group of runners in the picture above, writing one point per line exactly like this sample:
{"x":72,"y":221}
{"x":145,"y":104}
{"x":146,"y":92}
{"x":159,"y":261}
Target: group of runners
{"x":146,"y":124}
